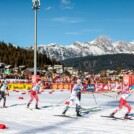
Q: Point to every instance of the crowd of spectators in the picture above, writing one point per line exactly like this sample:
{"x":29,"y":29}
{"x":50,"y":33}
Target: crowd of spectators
{"x":51,"y":77}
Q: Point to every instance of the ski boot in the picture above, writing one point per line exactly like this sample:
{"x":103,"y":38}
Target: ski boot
{"x":78,"y":111}
{"x":127,"y":117}
{"x":5,"y":107}
{"x":36,"y":107}
{"x":78,"y":107}
{"x":78,"y":114}
{"x":4,"y":104}
{"x":112,"y":115}
{"x":63,"y":113}
{"x":28,"y":105}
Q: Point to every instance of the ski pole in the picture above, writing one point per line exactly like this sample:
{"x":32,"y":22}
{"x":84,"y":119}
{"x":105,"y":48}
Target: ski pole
{"x":53,"y":106}
{"x":129,"y":95}
{"x":94,"y":98}
{"x":108,"y":95}
{"x":62,"y":101}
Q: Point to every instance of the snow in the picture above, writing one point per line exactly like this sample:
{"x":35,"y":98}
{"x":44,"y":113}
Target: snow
{"x":100,"y":46}
{"x":21,"y":120}
{"x":96,"y":50}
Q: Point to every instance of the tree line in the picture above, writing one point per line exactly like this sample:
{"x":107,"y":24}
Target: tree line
{"x":95,"y":64}
{"x":16,"y":56}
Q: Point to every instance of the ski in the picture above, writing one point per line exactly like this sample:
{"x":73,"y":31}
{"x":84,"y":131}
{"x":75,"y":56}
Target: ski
{"x":131,"y":114}
{"x":47,"y":106}
{"x":67,"y":116}
{"x":73,"y":116}
{"x":85,"y":112}
{"x":112,"y":117}
{"x":33,"y":108}
{"x":17,"y":105}
{"x":83,"y":115}
{"x":4,"y":107}
{"x":90,"y":109}
{"x":116,"y":118}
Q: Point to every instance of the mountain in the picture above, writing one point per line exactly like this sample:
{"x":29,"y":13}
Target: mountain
{"x":95,"y":64}
{"x":100,"y":46}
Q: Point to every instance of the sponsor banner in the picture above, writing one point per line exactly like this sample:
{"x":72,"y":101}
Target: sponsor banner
{"x":99,"y":87}
{"x":132,"y":79}
{"x":113,"y":86}
{"x":60,"y":86}
{"x":106,"y":87}
{"x":109,"y":87}
{"x":118,"y":85}
{"x":126,"y":80}
{"x":19,"y":86}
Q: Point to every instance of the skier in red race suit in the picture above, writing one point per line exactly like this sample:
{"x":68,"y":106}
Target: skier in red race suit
{"x":33,"y":94}
{"x":123,"y":95}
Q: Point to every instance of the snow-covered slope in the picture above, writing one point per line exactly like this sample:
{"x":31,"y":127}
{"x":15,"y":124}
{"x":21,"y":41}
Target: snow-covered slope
{"x":20,"y":120}
{"x":99,"y":46}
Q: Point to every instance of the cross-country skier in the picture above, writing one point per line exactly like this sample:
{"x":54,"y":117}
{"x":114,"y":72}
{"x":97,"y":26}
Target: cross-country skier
{"x":33,"y":94}
{"x":123,"y":95}
{"x":3,"y":90}
{"x":75,"y":98}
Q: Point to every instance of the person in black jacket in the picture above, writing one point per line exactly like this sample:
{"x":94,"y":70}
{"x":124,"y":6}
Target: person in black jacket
{"x":3,"y":90}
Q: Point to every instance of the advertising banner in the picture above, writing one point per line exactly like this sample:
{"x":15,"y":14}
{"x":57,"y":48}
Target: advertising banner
{"x":19,"y":86}
{"x":60,"y":86}
{"x":126,"y":80}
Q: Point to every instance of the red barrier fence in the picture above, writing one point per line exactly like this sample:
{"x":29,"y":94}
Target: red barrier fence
{"x":98,"y":86}
{"x":128,"y":80}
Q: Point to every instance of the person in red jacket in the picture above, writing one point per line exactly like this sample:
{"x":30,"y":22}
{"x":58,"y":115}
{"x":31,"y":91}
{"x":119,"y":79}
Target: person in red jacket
{"x":123,"y":95}
{"x":33,"y":94}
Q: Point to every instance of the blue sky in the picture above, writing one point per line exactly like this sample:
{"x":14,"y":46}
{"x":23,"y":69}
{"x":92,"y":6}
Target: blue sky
{"x":66,"y":21}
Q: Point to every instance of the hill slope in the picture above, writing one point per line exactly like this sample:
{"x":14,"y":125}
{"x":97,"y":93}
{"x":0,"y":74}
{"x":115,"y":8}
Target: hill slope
{"x":97,"y":63}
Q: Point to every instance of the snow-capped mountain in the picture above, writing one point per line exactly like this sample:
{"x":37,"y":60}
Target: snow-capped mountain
{"x":99,"y":46}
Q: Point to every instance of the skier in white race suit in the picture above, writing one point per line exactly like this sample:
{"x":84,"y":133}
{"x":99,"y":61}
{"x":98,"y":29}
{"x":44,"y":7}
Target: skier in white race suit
{"x":75,"y":97}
